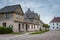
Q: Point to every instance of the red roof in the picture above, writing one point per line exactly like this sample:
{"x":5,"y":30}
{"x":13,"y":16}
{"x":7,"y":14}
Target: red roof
{"x":56,"y":19}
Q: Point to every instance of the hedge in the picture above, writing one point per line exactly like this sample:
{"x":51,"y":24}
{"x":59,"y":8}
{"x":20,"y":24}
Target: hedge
{"x":5,"y":30}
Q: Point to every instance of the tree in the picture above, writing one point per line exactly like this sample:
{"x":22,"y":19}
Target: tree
{"x":46,"y":26}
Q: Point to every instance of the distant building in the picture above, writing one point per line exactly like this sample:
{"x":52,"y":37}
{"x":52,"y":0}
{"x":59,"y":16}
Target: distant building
{"x":13,"y":16}
{"x":55,"y":23}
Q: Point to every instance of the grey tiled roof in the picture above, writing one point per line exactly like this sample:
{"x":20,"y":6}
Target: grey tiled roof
{"x":26,"y":19}
{"x":10,"y":8}
{"x":31,"y":14}
{"x":41,"y":22}
{"x":55,"y":19}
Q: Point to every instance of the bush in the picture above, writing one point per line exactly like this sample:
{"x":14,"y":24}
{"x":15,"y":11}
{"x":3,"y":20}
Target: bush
{"x":5,"y":30}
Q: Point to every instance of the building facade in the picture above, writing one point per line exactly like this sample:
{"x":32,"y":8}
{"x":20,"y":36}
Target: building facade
{"x":55,"y":23}
{"x":13,"y":16}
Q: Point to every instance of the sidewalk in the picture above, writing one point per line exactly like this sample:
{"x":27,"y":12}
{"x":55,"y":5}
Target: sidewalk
{"x":19,"y":35}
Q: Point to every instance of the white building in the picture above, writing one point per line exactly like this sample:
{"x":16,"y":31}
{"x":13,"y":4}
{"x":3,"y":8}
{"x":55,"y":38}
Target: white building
{"x":55,"y":23}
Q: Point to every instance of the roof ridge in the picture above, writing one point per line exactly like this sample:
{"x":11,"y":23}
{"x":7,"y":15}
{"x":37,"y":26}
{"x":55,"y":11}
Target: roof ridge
{"x":13,"y":5}
{"x":55,"y":19}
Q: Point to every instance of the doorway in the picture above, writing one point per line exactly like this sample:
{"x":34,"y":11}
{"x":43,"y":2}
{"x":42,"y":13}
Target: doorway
{"x":26,"y":27}
{"x":19,"y":27}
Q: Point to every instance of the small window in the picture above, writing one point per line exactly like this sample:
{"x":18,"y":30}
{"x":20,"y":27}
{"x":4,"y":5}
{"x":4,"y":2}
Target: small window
{"x":4,"y":24}
{"x":57,"y":23}
{"x":53,"y":23}
{"x":37,"y":26}
{"x":28,"y":26}
{"x":32,"y":27}
{"x":7,"y":16}
{"x":53,"y":27}
{"x":57,"y":27}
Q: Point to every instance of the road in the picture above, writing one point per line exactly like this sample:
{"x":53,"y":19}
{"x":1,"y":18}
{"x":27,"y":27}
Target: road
{"x":51,"y":35}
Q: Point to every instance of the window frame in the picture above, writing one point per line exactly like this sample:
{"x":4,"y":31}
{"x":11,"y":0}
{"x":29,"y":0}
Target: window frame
{"x":53,"y":27}
{"x":4,"y":24}
{"x":7,"y":16}
{"x":57,"y":23}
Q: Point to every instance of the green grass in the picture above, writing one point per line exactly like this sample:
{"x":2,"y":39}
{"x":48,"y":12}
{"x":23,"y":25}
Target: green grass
{"x":39,"y":32}
{"x":15,"y":33}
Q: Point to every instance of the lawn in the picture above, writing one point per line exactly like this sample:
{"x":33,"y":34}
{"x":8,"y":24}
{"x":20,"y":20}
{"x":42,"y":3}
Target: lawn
{"x":39,"y":32}
{"x":15,"y":33}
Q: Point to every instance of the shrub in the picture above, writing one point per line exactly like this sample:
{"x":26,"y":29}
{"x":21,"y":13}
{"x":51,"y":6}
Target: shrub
{"x":5,"y":30}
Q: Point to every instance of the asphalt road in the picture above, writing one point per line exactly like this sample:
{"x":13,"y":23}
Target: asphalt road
{"x":51,"y":35}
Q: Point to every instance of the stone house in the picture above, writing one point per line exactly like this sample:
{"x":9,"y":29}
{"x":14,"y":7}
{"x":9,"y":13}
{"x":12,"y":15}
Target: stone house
{"x":13,"y":16}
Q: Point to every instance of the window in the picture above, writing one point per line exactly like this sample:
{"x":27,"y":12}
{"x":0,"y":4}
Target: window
{"x":53,"y":27}
{"x":23,"y":26}
{"x":28,"y":26}
{"x":57,"y":27}
{"x":57,"y":23}
{"x":7,"y":16}
{"x":53,"y":23}
{"x":34,"y":26}
{"x":4,"y":24}
{"x":37,"y":26}
{"x":18,"y":16}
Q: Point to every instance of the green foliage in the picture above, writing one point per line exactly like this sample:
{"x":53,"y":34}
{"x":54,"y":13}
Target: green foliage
{"x":46,"y":25}
{"x":40,"y":32}
{"x":5,"y":30}
{"x":15,"y":33}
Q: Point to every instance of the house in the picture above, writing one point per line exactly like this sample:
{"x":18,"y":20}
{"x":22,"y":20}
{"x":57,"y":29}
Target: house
{"x":34,"y":18}
{"x":55,"y":23}
{"x":13,"y":16}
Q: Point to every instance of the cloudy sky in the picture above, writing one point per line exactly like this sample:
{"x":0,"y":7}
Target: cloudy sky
{"x":47,"y":9}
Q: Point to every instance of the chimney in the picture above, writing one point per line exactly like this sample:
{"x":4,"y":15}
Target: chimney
{"x":28,"y":9}
{"x":32,"y":11}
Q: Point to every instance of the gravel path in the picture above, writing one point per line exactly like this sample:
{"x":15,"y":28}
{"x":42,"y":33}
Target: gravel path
{"x":51,"y":35}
